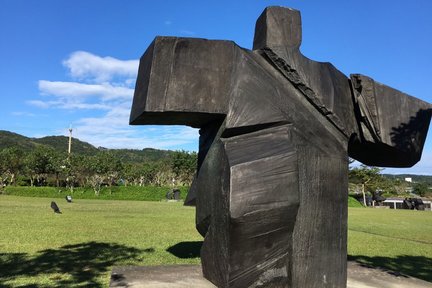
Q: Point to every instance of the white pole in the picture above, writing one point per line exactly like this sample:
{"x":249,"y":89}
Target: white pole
{"x":70,"y":140}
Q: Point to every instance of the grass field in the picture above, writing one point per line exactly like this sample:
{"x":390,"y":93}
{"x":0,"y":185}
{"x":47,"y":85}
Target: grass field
{"x":78,"y":248}
{"x":397,"y":240}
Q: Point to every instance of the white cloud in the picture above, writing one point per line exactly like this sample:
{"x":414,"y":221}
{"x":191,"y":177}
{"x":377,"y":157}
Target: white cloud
{"x":73,"y":89}
{"x":112,"y":131}
{"x":106,"y":84}
{"x":187,"y":32}
{"x":85,"y":65}
{"x":21,"y":113}
{"x":42,"y":104}
{"x":68,"y":105}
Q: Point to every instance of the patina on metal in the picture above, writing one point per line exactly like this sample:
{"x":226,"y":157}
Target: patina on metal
{"x":276,"y":130}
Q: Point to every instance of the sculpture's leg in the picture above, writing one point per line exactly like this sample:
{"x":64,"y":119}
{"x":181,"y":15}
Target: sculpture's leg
{"x":249,"y":238}
{"x":320,"y":234}
{"x":210,"y":188}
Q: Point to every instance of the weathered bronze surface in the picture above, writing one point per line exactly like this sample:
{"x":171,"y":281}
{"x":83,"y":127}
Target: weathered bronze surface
{"x":276,"y":129}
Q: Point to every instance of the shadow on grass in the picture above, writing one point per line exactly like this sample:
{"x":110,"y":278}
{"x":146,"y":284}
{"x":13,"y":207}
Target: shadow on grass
{"x":186,"y":250}
{"x":414,"y":266}
{"x":78,"y":265}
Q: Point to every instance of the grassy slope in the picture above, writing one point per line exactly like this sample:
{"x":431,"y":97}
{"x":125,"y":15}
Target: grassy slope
{"x":352,"y":202}
{"x":79,"y":247}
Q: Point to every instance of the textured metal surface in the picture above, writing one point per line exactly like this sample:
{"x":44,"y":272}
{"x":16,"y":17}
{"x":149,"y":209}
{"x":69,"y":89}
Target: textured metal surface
{"x":276,"y":129}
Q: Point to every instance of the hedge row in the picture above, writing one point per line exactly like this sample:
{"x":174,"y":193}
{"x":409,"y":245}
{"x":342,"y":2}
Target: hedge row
{"x":146,"y":193}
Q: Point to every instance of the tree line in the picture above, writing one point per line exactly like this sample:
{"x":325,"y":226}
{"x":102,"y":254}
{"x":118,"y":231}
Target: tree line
{"x":368,"y":179}
{"x":44,"y":166}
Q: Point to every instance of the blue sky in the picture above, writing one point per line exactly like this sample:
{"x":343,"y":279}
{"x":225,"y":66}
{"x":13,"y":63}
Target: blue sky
{"x":74,"y":62}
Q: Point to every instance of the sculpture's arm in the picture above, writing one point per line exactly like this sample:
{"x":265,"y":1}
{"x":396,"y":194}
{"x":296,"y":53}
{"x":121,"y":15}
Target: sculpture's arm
{"x":392,"y":124}
{"x":183,"y":81}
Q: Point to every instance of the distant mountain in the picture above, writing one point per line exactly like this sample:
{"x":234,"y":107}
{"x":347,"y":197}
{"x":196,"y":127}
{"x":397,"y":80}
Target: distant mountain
{"x":60,"y":144}
{"x":147,"y":154}
{"x":415,"y":178}
{"x":10,"y":139}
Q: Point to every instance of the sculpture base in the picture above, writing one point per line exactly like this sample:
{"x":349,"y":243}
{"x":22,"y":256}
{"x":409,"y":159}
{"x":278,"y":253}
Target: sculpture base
{"x":185,"y":276}
{"x":169,"y":276}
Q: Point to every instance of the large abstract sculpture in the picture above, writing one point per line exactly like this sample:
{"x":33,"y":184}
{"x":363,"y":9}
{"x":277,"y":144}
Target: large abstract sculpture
{"x":276,"y":129}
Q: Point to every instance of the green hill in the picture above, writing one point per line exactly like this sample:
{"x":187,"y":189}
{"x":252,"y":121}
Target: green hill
{"x":60,"y":144}
{"x":10,"y":139}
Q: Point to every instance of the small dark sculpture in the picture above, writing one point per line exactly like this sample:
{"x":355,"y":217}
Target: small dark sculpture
{"x":407,"y":204}
{"x":55,"y":207}
{"x":418,"y":204}
{"x":276,"y":129}
{"x":378,"y":198}
{"x":174,"y":194}
{"x":413,"y":203}
{"x":169,"y":195}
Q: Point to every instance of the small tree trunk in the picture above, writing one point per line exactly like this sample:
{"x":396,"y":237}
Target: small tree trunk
{"x":364,"y":195}
{"x":57,"y":179}
{"x":12,"y":182}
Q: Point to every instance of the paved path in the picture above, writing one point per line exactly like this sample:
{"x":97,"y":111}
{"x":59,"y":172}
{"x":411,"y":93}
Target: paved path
{"x":189,"y":276}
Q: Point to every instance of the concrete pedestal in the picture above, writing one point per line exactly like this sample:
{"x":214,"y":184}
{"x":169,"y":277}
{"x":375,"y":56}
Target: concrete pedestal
{"x":189,"y":276}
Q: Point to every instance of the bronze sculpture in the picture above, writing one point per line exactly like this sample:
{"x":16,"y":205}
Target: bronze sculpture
{"x":276,"y":129}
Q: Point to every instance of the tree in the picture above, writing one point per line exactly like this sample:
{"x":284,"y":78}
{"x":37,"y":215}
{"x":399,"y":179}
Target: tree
{"x":421,"y":189}
{"x":149,"y":171}
{"x":105,"y":168}
{"x":184,"y":165}
{"x":75,"y":170}
{"x":57,"y":163}
{"x":369,"y":177}
{"x":40,"y":162}
{"x":11,"y":163}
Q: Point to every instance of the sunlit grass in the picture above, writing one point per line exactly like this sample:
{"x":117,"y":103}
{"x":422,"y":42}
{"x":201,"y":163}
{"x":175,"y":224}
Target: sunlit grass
{"x":79,"y":247}
{"x":29,"y":227}
{"x":398,"y":240}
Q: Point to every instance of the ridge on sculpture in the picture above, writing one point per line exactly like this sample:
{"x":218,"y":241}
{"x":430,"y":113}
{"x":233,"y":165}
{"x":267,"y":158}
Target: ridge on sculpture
{"x":276,"y":130}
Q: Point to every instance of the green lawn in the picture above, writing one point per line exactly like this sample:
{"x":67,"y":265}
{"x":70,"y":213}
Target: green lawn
{"x":78,"y":248}
{"x":397,"y":240}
